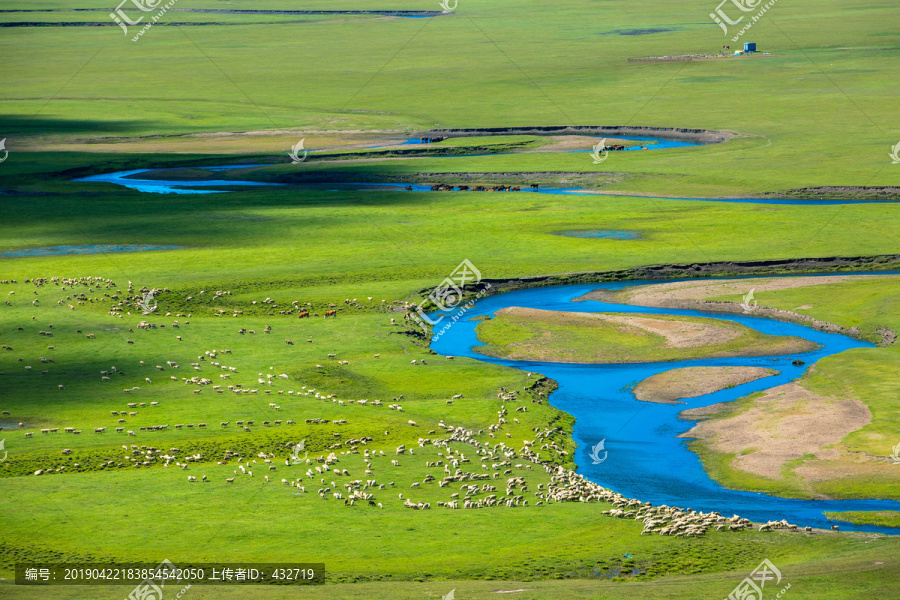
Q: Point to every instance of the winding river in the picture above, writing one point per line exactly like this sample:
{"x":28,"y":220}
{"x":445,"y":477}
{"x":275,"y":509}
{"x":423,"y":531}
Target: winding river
{"x":132,"y":180}
{"x":645,"y":458}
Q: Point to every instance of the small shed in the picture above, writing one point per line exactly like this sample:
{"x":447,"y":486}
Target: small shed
{"x":749,"y":46}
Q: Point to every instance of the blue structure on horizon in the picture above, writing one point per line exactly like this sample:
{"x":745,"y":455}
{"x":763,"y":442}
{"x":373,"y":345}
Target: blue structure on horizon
{"x":749,"y":46}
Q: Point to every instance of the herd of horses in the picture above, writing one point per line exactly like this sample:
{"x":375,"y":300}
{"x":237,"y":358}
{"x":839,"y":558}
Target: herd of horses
{"x":443,"y":187}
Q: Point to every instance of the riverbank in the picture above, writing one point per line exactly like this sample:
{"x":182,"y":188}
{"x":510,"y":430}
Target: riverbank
{"x":717,"y":269}
{"x":694,"y":295}
{"x":702,"y":136}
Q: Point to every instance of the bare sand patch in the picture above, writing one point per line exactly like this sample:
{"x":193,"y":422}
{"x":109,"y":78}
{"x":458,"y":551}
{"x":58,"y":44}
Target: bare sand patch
{"x":671,"y":386}
{"x":786,"y":423}
{"x":678,"y":334}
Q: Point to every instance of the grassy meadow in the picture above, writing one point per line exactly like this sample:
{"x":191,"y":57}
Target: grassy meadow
{"x":202,"y":89}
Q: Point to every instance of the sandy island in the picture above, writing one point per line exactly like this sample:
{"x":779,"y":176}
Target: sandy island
{"x":671,"y":386}
{"x":532,"y":334}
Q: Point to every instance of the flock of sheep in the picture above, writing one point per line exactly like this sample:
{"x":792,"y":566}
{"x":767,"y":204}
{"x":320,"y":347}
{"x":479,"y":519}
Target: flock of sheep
{"x":480,"y":477}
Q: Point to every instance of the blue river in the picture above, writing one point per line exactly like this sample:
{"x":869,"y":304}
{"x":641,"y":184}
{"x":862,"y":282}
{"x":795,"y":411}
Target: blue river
{"x":131,"y":180}
{"x":646,"y":459}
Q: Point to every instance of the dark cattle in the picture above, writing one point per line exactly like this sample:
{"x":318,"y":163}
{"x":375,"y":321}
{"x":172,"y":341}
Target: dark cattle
{"x":464,"y":188}
{"x":408,"y":188}
{"x":535,"y":186}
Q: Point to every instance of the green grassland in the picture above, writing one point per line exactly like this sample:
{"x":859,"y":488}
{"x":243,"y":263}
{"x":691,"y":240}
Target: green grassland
{"x":887,"y":518}
{"x":827,"y":123}
{"x":567,"y":337}
{"x":338,"y":80}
